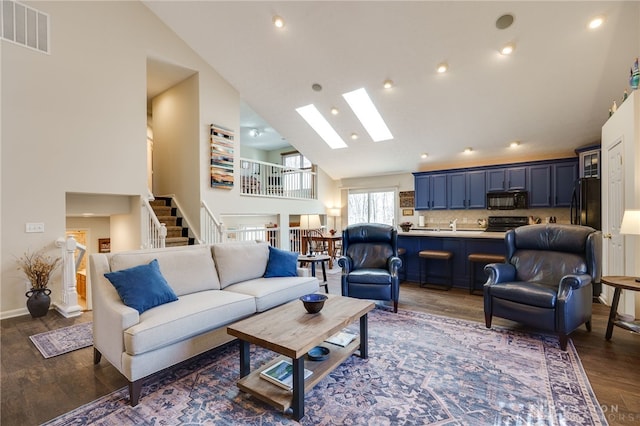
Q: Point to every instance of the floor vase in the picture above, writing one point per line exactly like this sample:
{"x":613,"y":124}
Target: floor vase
{"x":38,"y":301}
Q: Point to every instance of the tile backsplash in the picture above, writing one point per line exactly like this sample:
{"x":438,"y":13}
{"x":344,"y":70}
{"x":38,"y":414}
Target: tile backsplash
{"x":468,"y":219}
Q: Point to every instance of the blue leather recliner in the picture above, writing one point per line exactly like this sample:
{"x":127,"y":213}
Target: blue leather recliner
{"x":546,"y":282}
{"x":370,"y":262}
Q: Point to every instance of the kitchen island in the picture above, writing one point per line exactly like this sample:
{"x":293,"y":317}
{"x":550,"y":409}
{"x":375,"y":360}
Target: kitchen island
{"x":460,"y":242}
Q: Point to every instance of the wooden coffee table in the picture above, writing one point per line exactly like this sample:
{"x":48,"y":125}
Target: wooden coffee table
{"x":291,"y":332}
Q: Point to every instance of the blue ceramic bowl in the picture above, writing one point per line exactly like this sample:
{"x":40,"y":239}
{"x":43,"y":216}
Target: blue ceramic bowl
{"x":314,"y":302}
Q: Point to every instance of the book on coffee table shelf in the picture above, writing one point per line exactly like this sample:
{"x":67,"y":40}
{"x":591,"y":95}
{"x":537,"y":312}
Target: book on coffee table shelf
{"x":341,"y":338}
{"x":281,"y":374}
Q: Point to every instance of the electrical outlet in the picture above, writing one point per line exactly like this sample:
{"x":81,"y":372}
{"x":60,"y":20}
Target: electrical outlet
{"x":34,"y":227}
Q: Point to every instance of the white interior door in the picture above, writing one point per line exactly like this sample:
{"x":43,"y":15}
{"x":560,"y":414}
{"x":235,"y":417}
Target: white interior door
{"x":614,"y":242}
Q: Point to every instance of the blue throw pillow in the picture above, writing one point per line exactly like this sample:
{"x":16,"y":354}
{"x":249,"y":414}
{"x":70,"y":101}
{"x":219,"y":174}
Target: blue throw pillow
{"x":142,"y":287}
{"x":281,"y":263}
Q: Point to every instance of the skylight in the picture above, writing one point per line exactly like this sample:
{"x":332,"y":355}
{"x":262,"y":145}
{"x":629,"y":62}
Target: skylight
{"x":366,"y":111}
{"x":322,"y":127}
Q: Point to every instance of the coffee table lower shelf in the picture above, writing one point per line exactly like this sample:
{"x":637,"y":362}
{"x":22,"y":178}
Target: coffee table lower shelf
{"x":282,"y":398}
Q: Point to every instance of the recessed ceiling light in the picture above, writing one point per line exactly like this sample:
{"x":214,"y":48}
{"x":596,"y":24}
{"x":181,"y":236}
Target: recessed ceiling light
{"x":317,"y":87}
{"x":596,"y":22}
{"x":442,"y":67}
{"x":424,"y":155}
{"x":468,"y":150}
{"x":335,"y":111}
{"x":255,"y":133}
{"x":514,"y":144}
{"x":354,"y":136}
{"x":508,"y":49}
{"x":322,"y":127}
{"x":278,"y":21}
{"x":388,"y":84}
{"x":366,"y":111}
{"x":504,"y":21}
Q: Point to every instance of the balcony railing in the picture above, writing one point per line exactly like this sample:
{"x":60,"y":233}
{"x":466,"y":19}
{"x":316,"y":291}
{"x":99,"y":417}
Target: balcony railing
{"x":258,"y":178}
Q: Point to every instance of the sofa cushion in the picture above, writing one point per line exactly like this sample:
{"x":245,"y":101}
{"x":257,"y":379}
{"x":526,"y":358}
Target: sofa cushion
{"x":142,"y":287}
{"x":270,"y":292}
{"x":187,"y":269}
{"x":282,"y":263}
{"x":240,"y":261}
{"x":192,"y":315}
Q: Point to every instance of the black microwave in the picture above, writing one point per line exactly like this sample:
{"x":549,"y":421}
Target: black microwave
{"x":507,"y":200}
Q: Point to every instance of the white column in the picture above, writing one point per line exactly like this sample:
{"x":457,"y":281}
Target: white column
{"x":68,"y":306}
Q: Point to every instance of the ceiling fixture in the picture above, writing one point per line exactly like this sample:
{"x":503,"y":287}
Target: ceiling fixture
{"x":468,"y":150}
{"x":354,"y":136}
{"x":278,"y":21}
{"x":322,"y":127}
{"x":255,"y":133}
{"x":596,"y":22}
{"x":388,"y":84}
{"x":366,"y":111}
{"x":442,"y":67}
{"x":504,"y":22}
{"x":335,"y":111}
{"x":424,"y":155}
{"x":508,"y":49}
{"x":316,"y":87}
{"x":514,"y":144}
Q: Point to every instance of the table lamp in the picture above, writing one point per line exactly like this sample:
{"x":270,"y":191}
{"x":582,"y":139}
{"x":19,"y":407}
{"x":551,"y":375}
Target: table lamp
{"x":309,"y":223}
{"x":334,"y":212}
{"x":631,"y":224}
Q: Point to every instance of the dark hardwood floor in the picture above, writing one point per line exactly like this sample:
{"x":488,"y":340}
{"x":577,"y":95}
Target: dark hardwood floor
{"x":35,"y":389}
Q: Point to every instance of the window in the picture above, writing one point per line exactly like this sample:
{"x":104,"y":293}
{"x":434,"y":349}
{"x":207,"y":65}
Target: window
{"x":371,"y":206}
{"x":302,"y":179}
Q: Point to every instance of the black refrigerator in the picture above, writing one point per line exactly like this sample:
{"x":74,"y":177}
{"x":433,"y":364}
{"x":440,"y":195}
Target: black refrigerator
{"x":586,"y":203}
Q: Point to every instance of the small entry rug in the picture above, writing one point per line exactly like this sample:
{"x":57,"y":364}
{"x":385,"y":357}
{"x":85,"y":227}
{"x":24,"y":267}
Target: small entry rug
{"x":57,"y":342}
{"x":422,"y":370}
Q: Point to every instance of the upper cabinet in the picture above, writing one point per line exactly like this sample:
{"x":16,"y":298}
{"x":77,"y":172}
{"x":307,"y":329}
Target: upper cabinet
{"x":467,"y":190}
{"x":507,"y":179}
{"x":549,"y":183}
{"x":589,"y":161}
{"x":431,"y":192}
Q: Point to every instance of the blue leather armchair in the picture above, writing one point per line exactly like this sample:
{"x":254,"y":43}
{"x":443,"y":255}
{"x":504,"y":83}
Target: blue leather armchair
{"x":546,"y":282}
{"x":370,"y":262}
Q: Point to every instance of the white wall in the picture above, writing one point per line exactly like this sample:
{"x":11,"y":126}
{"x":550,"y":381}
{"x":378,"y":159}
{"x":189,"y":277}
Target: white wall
{"x":176,"y":139}
{"x":75,"y":121}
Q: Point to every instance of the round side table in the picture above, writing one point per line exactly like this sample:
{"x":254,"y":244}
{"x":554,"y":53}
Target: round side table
{"x":620,"y":283}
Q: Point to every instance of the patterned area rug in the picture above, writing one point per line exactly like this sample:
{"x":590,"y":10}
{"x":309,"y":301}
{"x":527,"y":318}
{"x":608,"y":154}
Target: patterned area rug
{"x":63,"y":340}
{"x":422,"y":370}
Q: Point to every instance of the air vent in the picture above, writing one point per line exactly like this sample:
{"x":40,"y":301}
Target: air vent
{"x":24,"y":25}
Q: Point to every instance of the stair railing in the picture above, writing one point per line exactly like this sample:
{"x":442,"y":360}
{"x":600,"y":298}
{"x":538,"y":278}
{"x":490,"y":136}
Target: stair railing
{"x":211,"y":230}
{"x":154,"y":233}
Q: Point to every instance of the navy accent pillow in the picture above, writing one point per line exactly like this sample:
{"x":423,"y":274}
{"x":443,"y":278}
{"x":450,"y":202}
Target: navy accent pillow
{"x":281,"y":263}
{"x":142,"y":287}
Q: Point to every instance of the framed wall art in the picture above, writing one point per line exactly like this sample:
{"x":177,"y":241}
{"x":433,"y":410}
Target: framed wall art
{"x":104,"y":245}
{"x":406,"y":198}
{"x":222,"y":150}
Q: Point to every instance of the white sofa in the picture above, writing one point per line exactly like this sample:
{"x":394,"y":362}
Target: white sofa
{"x":216,"y":285}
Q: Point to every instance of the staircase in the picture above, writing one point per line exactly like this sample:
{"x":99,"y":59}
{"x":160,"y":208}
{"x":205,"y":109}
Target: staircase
{"x":177,"y":234}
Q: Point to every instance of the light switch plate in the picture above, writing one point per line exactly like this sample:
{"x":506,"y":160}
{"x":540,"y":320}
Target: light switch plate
{"x":34,"y":227}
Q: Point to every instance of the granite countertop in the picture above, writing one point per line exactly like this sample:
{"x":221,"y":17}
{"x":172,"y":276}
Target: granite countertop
{"x":447,"y":233}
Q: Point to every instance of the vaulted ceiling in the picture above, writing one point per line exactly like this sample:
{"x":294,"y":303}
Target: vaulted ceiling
{"x":552,"y":94}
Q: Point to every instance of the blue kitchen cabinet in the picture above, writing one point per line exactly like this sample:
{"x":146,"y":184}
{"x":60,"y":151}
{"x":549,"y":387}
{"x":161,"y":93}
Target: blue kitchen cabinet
{"x":540,"y":186}
{"x":507,"y":179}
{"x":430,"y":191}
{"x":467,"y":190}
{"x":564,"y":178}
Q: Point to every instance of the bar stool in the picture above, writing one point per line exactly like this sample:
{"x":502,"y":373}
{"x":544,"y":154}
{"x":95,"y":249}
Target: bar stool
{"x":484,"y":259}
{"x":402,"y":254}
{"x":427,"y":255}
